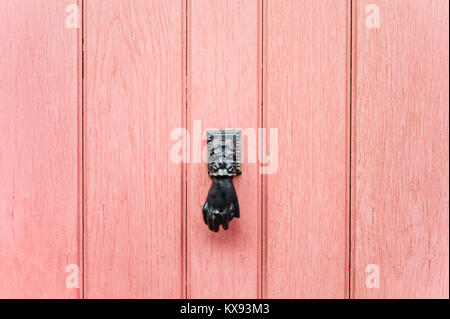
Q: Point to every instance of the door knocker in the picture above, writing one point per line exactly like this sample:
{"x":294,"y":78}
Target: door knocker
{"x":224,"y":162}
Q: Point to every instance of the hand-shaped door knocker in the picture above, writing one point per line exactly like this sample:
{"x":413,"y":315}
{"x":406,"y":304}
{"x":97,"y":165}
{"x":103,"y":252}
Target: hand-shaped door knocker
{"x":224,"y":162}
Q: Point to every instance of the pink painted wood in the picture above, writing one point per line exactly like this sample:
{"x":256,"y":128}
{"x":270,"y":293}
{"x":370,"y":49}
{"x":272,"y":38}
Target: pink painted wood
{"x":39,"y":212}
{"x":223,"y":92}
{"x":144,"y":236}
{"x":306,"y":98}
{"x":400,"y":160}
{"x":133,"y":191}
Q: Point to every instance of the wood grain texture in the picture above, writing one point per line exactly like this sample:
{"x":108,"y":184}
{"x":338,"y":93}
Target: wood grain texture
{"x":305,"y":97}
{"x":400,"y":161}
{"x":39,"y":219}
{"x":133,"y":191}
{"x":223,"y":90}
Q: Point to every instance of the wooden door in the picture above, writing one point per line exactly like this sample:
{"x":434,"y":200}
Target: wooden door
{"x":133,"y":98}
{"x":343,"y":106}
{"x":400,"y":203}
{"x":223,"y":91}
{"x":306,"y":74}
{"x":40,"y":157}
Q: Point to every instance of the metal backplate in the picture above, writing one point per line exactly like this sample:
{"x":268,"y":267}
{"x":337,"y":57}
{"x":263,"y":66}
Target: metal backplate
{"x":224,"y":152}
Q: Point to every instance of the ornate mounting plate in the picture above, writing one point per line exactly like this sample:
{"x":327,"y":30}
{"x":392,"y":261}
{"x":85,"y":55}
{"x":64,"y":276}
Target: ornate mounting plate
{"x":224,"y":152}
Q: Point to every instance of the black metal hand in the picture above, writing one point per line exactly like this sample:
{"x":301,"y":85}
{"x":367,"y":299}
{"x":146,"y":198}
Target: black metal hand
{"x":221,"y":204}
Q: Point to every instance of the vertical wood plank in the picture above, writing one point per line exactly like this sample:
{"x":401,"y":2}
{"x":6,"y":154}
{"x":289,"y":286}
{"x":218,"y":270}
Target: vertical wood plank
{"x":133,"y":191}
{"x":400,"y":159}
{"x":223,"y":90}
{"x":305,"y":97}
{"x":39,"y":212}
